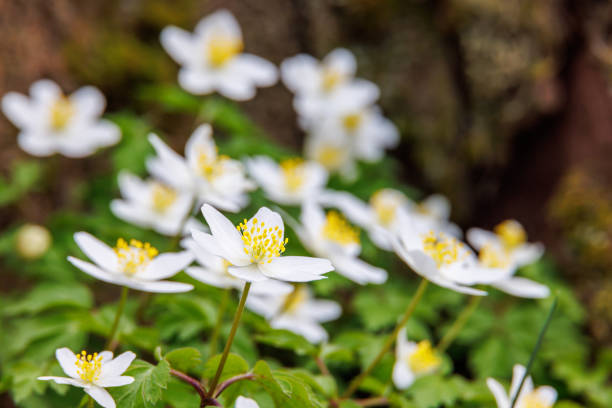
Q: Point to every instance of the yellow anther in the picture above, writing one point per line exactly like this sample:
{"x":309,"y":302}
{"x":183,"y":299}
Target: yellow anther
{"x":135,"y":256}
{"x":331,"y":79}
{"x":88,"y":366}
{"x":295,"y":299}
{"x":443,"y":249}
{"x":337,"y":229}
{"x":163,"y":197}
{"x":260,"y":243}
{"x":61,"y":113}
{"x":222,"y":48}
{"x":353,"y":121}
{"x":533,"y":400}
{"x":385,"y":205}
{"x":424,"y":359}
{"x":294,"y":172}
{"x":491,"y":256}
{"x":331,"y":157}
{"x":512,"y":233}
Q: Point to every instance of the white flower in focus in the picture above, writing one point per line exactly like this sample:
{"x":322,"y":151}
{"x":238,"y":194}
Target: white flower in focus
{"x":210,"y":177}
{"x":242,"y":402}
{"x":331,"y":236}
{"x":291,"y":181}
{"x":439,"y":258}
{"x":135,"y":264}
{"x":51,"y":122}
{"x":94,"y":372}
{"x":530,"y":397}
{"x":324,"y":88}
{"x":151,"y":204}
{"x":254,"y":248}
{"x":412,"y":360}
{"x":297,"y":312}
{"x":33,"y":241}
{"x":504,"y":251}
{"x":211,"y":58}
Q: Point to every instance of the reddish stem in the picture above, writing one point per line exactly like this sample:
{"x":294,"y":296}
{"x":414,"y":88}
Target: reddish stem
{"x":231,"y":381}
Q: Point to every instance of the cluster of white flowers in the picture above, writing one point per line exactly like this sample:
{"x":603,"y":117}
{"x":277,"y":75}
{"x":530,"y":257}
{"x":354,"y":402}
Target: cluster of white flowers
{"x":343,"y":124}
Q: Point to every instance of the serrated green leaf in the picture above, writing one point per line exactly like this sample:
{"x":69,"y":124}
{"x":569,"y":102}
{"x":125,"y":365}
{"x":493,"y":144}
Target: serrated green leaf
{"x":184,"y":359}
{"x":147,"y":388}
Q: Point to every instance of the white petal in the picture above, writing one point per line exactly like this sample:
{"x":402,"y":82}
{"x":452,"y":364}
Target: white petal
{"x":105,"y":356}
{"x":169,"y":166}
{"x":166,"y":265}
{"x":403,"y":377}
{"x":159,"y":286}
{"x":221,"y":22}
{"x":226,"y":235}
{"x":101,"y":396}
{"x":45,"y":91}
{"x":341,"y":60}
{"x":177,"y":43}
{"x":438,"y":206}
{"x":89,"y":102}
{"x":518,"y":371}
{"x":266,"y":306}
{"x":527,"y":254}
{"x":547,"y":394}
{"x":271,"y":287}
{"x":130,"y":213}
{"x":115,"y":381}
{"x":522,"y":287}
{"x":359,"y":271}
{"x":249,"y":273}
{"x":296,"y":268}
{"x":212,"y":278}
{"x":117,"y":366}
{"x":36,"y":144}
{"x":96,"y":272}
{"x":96,"y":250}
{"x":321,"y":310}
{"x":235,"y":87}
{"x":478,"y":238}
{"x":270,"y":218}
{"x":300,"y":73}
{"x":208,"y":243}
{"x":67,"y":360}
{"x":17,"y":109}
{"x":196,"y":81}
{"x":64,"y":380}
{"x":311,"y":331}
{"x":355,"y":210}
{"x":242,"y":402}
{"x":499,"y":393}
{"x":261,"y":72}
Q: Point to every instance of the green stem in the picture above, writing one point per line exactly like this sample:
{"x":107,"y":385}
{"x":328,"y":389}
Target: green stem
{"x":390,"y":340}
{"x":230,"y":339}
{"x":461,"y":320}
{"x":535,"y":351}
{"x":220,"y":312}
{"x":90,"y":404}
{"x":113,"y":331}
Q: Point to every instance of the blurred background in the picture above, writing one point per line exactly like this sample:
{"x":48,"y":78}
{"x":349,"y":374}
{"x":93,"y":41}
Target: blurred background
{"x":503,"y":106}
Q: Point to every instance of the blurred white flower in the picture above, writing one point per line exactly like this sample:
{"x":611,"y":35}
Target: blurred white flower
{"x":210,"y":177}
{"x":243,"y":402}
{"x":530,"y":397}
{"x":51,"y":122}
{"x":331,"y":236}
{"x":211,"y":58}
{"x":291,"y":181}
{"x":297,"y":312}
{"x":433,"y":212}
{"x":254,"y":248}
{"x":412,"y":360}
{"x":135,"y":264}
{"x":32,"y":241}
{"x":503,"y":252}
{"x":94,"y":372}
{"x":151,"y":204}
{"x":333,"y":153}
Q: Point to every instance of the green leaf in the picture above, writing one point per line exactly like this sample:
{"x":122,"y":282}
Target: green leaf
{"x":285,"y":339}
{"x":50,"y":295}
{"x":234,"y":365}
{"x":149,"y":383}
{"x":25,"y":176}
{"x":184,"y":359}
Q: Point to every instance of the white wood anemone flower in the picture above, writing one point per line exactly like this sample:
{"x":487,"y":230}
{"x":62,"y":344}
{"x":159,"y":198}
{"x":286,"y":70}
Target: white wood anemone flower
{"x":433,"y":212}
{"x":529,"y":397}
{"x":289,"y":182}
{"x":326,"y":87}
{"x":51,"y":122}
{"x":503,"y":252}
{"x":210,"y":177}
{"x":297,"y":312}
{"x":211,"y":58}
{"x":334,"y":154}
{"x":255,"y":248}
{"x":94,"y":372}
{"x":440,"y":258}
{"x":133,"y":264}
{"x":151,"y":204}
{"x":412,"y":360}
{"x":330,"y":236}
{"x":213,"y":270}
{"x":243,"y":402}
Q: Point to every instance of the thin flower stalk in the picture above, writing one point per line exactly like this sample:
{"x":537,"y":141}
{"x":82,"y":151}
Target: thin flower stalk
{"x":220,"y":312}
{"x":459,"y":323}
{"x":110,"y":344}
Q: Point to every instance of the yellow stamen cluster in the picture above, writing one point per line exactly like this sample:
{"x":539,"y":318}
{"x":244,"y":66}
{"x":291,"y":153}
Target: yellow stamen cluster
{"x":337,"y":229}
{"x":331,"y":79}
{"x":511,"y":233}
{"x":424,"y":359}
{"x":260,"y":243}
{"x":163,"y":197}
{"x":88,"y":366}
{"x":491,"y":256}
{"x":61,"y":113}
{"x":352,"y":122}
{"x":211,"y":165}
{"x":293,"y":170}
{"x":384,"y":207}
{"x":222,"y":48}
{"x":443,"y":249}
{"x":135,"y":256}
{"x":533,"y":400}
{"x":331,"y":157}
{"x":295,"y":299}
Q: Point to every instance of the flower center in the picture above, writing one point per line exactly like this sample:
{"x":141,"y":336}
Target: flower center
{"x":330,"y":157}
{"x":443,"y":249}
{"x":88,"y":366}
{"x":222,"y":48}
{"x":293,"y":170}
{"x":383,"y":207}
{"x":295,"y":299}
{"x":260,"y":243}
{"x":331,"y":79}
{"x":533,"y":400}
{"x":62,"y":111}
{"x":163,"y":197}
{"x":423,"y":359}
{"x":135,"y":256}
{"x":491,"y":257}
{"x":352,"y":122}
{"x":337,"y":229}
{"x":511,"y":233}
